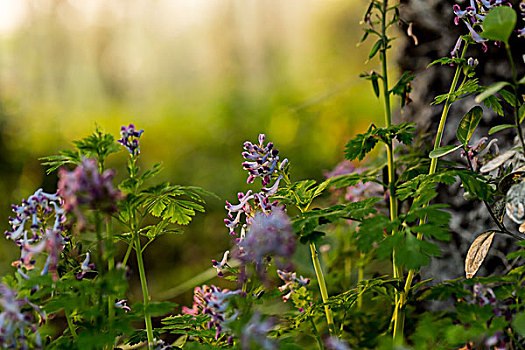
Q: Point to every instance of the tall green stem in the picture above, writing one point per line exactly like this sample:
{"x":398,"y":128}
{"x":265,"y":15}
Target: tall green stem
{"x":388,"y":122}
{"x":144,"y":285}
{"x":322,"y":287}
{"x":516,"y":98}
{"x":400,"y":305}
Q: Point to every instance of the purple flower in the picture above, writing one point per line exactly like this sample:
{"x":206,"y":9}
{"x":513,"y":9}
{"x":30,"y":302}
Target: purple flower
{"x":334,"y":343}
{"x":121,"y":304}
{"x":261,"y":161}
{"x":214,"y":302}
{"x":255,"y":334}
{"x":357,"y":192}
{"x":130,"y":139}
{"x":39,"y":238}
{"x":292,"y":283}
{"x":85,"y":267}
{"x":221,"y":265}
{"x":198,"y":301}
{"x":86,"y":186}
{"x":479,"y":150}
{"x":268,"y":236}
{"x":16,"y":325}
{"x":474,"y":15}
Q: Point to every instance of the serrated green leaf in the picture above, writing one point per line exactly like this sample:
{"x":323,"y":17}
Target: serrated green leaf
{"x":497,"y":128}
{"x":508,"y":96}
{"x":493,"y":103}
{"x":499,"y":24}
{"x":468,"y":124}
{"x":491,"y":90}
{"x":442,"y":151}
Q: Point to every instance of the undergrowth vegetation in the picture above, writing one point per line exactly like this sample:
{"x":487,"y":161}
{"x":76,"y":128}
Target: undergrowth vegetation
{"x":69,"y":287}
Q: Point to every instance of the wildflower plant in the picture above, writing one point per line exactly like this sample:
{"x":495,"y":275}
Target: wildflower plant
{"x":69,"y":288}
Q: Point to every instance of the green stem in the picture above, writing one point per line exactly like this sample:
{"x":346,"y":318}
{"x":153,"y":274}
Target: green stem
{"x":128,"y":252}
{"x":316,"y":333}
{"x":399,"y":313}
{"x":145,"y":294}
{"x":322,"y":288}
{"x":111,"y":265}
{"x":70,"y":325}
{"x":516,"y":97}
{"x":360,"y":278}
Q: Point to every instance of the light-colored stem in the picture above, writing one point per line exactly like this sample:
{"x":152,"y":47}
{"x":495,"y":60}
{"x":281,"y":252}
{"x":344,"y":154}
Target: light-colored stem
{"x":322,"y":288}
{"x":145,"y":294}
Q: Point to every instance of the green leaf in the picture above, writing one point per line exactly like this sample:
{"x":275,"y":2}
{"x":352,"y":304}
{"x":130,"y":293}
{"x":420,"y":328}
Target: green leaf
{"x":447,"y":61}
{"x":499,"y":24}
{"x":491,"y":90}
{"x":375,"y":48}
{"x":497,"y":128}
{"x":522,"y":80}
{"x":508,"y":96}
{"x":493,"y":103}
{"x":402,"y":85}
{"x":441,"y":151}
{"x":519,"y":323}
{"x":468,"y":124}
{"x":360,"y":145}
{"x":521,"y":113}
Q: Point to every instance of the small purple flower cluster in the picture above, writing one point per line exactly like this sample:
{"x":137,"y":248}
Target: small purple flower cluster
{"x":269,"y":236}
{"x":479,"y":150}
{"x":215,"y":302}
{"x":261,"y":161}
{"x":474,"y":15}
{"x":357,"y":192}
{"x":15,"y":323}
{"x":37,"y":209}
{"x":85,"y":185}
{"x":291,"y":283}
{"x":255,"y":334}
{"x":130,"y":138}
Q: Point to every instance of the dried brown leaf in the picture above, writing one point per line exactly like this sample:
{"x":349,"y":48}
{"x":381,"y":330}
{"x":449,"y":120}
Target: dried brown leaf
{"x":477,"y":252}
{"x":499,"y":160}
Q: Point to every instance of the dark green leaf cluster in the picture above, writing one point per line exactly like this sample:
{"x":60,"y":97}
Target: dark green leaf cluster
{"x":360,"y":145}
{"x":98,"y":145}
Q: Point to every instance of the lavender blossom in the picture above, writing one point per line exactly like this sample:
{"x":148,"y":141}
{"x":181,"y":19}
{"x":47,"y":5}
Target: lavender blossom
{"x":214,"y":302}
{"x":37,"y":210}
{"x":292,"y":283}
{"x":121,"y":304}
{"x":268,"y":236}
{"x":15,"y":324}
{"x":473,"y":16}
{"x":85,"y":267}
{"x":357,"y":192}
{"x":261,"y":161}
{"x":480,"y":150}
{"x":198,"y":301}
{"x":334,"y":343}
{"x":130,"y":139}
{"x":255,"y":334}
{"x":221,"y":265}
{"x":85,"y":185}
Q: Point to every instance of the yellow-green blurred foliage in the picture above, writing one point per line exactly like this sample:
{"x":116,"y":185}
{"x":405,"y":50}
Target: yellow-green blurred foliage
{"x":199,"y":76}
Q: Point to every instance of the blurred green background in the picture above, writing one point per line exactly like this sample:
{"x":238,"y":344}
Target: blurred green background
{"x":200,"y":77}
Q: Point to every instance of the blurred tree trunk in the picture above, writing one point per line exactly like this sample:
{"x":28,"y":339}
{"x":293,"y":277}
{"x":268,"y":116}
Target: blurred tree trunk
{"x":434,"y":28}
